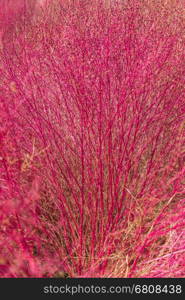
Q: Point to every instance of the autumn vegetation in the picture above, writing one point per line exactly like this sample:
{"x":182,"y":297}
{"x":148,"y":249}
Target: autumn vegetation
{"x":92,"y":139}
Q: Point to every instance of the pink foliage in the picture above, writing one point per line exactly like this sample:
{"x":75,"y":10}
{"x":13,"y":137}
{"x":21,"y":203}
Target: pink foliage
{"x":91,"y":141}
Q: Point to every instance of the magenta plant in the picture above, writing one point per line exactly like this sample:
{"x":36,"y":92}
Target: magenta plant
{"x":92,"y":142}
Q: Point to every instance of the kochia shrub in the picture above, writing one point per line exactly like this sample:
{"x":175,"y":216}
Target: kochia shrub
{"x":92,"y":141}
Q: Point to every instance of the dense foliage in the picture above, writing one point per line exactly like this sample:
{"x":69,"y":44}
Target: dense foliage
{"x":92,"y":143}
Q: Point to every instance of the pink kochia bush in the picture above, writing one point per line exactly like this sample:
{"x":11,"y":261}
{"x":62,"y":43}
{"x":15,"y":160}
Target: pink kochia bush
{"x":92,"y":140}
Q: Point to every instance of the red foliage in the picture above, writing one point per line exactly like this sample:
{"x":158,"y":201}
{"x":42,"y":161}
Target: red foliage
{"x":91,"y":140}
